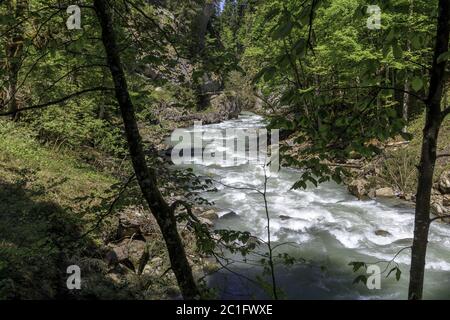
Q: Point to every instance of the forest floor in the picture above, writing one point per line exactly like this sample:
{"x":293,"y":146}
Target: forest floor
{"x":59,"y":209}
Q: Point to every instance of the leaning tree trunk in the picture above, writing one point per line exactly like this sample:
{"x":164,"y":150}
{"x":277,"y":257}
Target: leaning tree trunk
{"x":428,"y":157}
{"x":145,"y":175}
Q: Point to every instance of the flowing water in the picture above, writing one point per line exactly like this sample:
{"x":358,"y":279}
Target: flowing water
{"x":325,"y":226}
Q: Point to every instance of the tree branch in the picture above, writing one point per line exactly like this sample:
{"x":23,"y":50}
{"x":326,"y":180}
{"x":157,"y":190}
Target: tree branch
{"x":378,"y":87}
{"x":445,"y":112}
{"x":443,"y":155}
{"x":58,"y":101}
{"x":156,"y":25}
{"x":440,"y":217}
{"x":111,"y":207}
{"x":310,"y":30}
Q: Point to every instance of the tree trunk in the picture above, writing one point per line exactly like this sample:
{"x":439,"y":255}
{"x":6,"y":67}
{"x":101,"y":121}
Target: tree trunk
{"x":145,"y":175}
{"x":405,"y":109}
{"x":428,"y":156}
{"x":200,"y":26}
{"x":14,"y":49}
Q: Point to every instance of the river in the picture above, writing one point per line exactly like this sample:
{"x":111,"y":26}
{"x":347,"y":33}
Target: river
{"x":327,"y":229}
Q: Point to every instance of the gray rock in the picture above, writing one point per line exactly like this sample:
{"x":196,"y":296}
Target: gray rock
{"x":386,"y":192}
{"x":229,"y":215}
{"x":127,"y":253}
{"x":409,"y":197}
{"x":129,"y":224}
{"x":383,"y":233}
{"x":358,"y":188}
{"x":446,"y":201}
{"x":438,"y":209}
{"x":210,"y":215}
{"x":205,"y":221}
{"x":444,"y":182}
{"x":156,"y":262}
{"x":210,"y":266}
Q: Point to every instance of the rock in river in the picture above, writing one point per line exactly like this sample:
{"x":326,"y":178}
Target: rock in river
{"x":383,"y":233}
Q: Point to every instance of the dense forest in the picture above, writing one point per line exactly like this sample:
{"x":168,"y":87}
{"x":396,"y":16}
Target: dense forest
{"x":92,"y":205}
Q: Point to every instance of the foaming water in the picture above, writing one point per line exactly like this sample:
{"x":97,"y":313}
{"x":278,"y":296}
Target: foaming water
{"x":329,"y":227}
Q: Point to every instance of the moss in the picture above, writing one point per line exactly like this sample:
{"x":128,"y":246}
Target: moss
{"x":19,"y":150}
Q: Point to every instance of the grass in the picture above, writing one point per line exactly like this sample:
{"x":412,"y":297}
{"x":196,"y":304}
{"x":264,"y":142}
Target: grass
{"x":416,"y":128}
{"x":49,"y":198}
{"x":19,"y":150}
{"x":42,"y":213}
{"x":399,"y":168}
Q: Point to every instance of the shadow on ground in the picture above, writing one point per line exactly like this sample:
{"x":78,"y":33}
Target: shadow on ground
{"x":38,"y":241}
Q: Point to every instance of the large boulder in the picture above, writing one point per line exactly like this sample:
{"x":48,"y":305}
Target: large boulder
{"x":386,"y":192}
{"x":438,"y":209}
{"x":210,"y":215}
{"x":358,"y":188}
{"x":129,"y":224}
{"x":135,"y":223}
{"x":444,"y":182}
{"x":228,"y":105}
{"x":206,"y":222}
{"x":127,"y":252}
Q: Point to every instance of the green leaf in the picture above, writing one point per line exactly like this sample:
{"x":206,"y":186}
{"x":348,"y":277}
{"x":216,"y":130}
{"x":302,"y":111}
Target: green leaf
{"x":265,"y":72}
{"x":397,"y":51}
{"x":271,"y":14}
{"x":415,"y":42}
{"x":305,"y":91}
{"x":357,"y":265}
{"x":443,"y":57}
{"x":390,"y":36}
{"x":361,"y":278}
{"x":407,"y":136}
{"x":299,"y":47}
{"x":417,"y":84}
{"x":282,"y":31}
{"x":398,"y":274}
{"x":392,"y":270}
